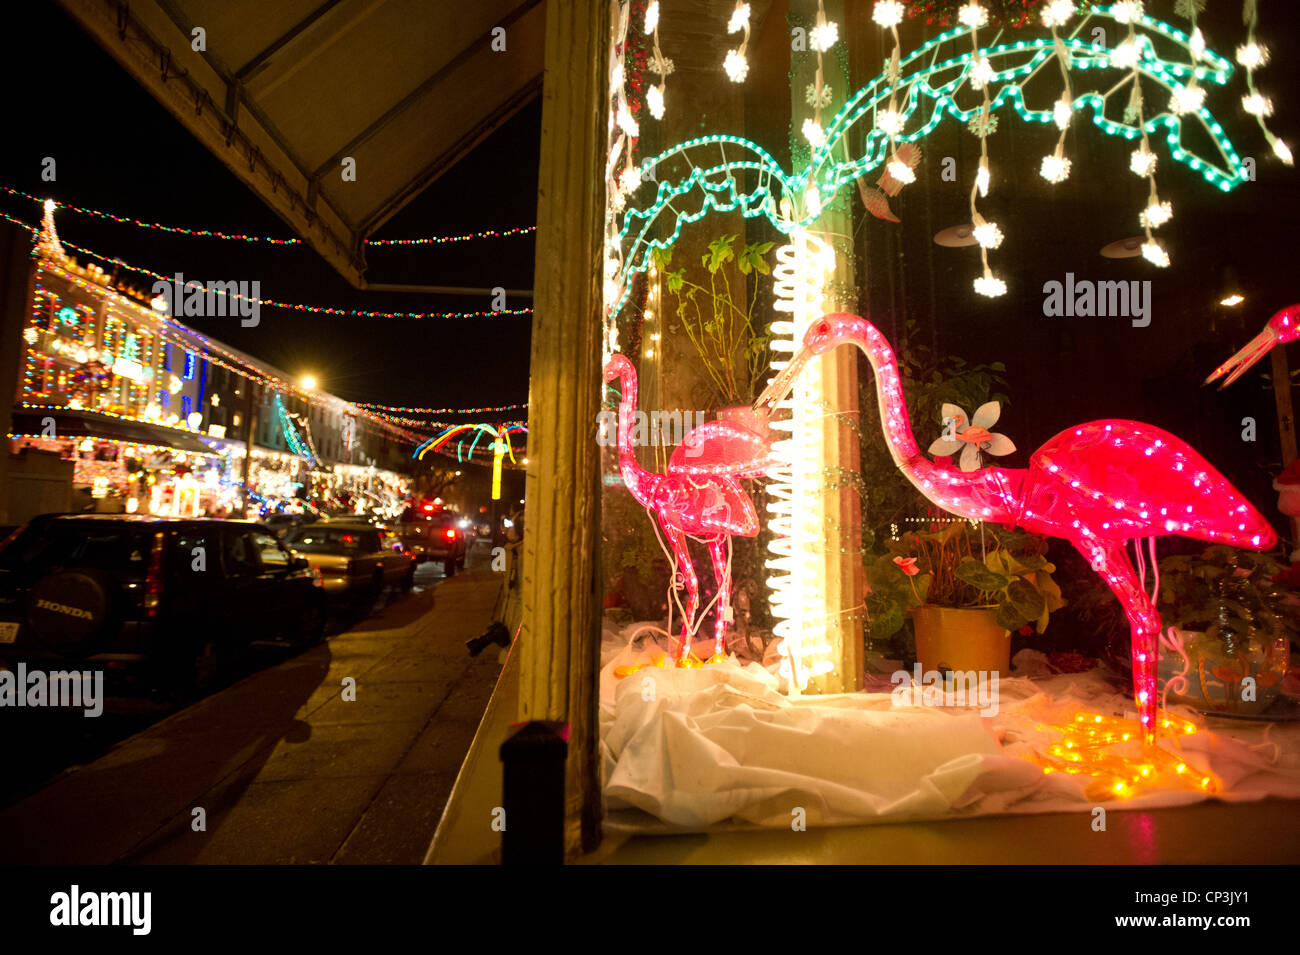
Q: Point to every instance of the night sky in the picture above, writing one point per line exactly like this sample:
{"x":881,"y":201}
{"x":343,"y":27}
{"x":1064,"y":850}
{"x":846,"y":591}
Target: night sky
{"x":119,"y":151}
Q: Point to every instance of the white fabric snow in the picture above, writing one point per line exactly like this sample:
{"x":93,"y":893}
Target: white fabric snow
{"x":696,"y":747}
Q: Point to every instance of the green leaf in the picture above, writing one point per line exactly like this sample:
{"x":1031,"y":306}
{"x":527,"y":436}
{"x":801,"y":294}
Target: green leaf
{"x":1024,"y":596}
{"x":973,"y":572}
{"x":675,"y":280}
{"x":1009,"y":618}
{"x":887,"y":622}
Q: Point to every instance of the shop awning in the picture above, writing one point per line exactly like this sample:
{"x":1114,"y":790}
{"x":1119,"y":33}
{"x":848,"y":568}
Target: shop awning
{"x":283,"y":93}
{"x":74,"y":423}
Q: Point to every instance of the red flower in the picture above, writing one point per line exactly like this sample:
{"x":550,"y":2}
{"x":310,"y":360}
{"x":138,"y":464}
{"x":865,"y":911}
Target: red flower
{"x":1026,"y":630}
{"x":907,"y":565}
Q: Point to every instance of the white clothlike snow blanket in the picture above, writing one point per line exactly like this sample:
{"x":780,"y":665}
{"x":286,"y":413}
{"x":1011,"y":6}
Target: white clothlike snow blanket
{"x":696,"y":747}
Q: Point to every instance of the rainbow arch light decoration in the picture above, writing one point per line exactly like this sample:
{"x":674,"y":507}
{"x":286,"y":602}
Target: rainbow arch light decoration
{"x":497,"y":435}
{"x":926,"y":90}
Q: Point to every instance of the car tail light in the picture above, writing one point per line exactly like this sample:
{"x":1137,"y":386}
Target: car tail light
{"x":12,"y":537}
{"x":451,"y":535}
{"x":153,"y":585}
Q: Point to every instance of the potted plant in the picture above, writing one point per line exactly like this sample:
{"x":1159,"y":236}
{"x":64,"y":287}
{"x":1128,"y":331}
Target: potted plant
{"x":966,"y":587}
{"x":1234,"y":620}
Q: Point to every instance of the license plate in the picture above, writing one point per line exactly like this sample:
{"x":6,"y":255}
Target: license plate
{"x":8,"y":631}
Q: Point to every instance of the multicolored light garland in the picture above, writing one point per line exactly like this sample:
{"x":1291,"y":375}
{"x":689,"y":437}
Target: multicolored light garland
{"x":268,"y":240}
{"x":414,"y":410}
{"x":313,"y":309}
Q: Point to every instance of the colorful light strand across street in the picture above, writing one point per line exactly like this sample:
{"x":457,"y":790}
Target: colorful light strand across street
{"x":312,"y":309}
{"x":269,"y":240}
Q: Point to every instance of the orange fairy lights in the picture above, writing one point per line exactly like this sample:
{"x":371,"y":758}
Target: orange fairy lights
{"x":1095,"y":746}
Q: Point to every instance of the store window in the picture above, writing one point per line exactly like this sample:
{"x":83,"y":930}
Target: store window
{"x":860,"y":261}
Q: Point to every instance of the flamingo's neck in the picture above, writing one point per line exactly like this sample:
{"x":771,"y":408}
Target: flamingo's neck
{"x":634,"y":476}
{"x":989,"y":494}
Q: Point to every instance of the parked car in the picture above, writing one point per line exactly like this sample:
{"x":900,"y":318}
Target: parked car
{"x":438,"y":537}
{"x":354,"y":558}
{"x":163,"y":602}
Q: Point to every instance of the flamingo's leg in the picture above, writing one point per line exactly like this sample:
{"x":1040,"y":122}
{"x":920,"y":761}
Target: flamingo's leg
{"x":1110,"y":559}
{"x":722,"y":611}
{"x":681,"y":553}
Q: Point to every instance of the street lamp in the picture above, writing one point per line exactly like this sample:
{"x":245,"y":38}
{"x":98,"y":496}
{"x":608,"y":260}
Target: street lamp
{"x":308,"y":382}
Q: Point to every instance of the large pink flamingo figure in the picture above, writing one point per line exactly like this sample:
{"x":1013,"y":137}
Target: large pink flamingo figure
{"x":701,"y":494}
{"x":1281,"y":328}
{"x":1097,"y":485}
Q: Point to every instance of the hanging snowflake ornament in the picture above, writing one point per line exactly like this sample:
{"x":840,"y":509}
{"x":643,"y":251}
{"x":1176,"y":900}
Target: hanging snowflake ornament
{"x":983,"y":125}
{"x":1156,"y":214}
{"x":1143,"y":162}
{"x":971,"y":437}
{"x":654,"y":101}
{"x":660,"y":65}
{"x":739,"y":18}
{"x":1057,"y":13}
{"x":813,"y":132}
{"x":887,"y":13}
{"x":1187,"y":99}
{"x":889,"y":122}
{"x":818,"y":98}
{"x":990,"y":286}
{"x":1055,"y":168}
{"x":736,"y":66}
{"x":972,"y":15}
{"x":1128,"y":11}
{"x":651,"y":17}
{"x":981,"y":73}
{"x":823,"y":36}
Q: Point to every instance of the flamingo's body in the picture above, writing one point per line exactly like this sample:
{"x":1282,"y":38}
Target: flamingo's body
{"x":701,"y":494}
{"x":1097,"y":485}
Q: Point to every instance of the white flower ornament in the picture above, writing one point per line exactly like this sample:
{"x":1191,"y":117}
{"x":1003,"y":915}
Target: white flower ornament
{"x":971,"y":436}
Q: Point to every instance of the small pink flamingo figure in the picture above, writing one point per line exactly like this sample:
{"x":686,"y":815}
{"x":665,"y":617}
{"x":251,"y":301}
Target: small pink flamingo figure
{"x":1281,"y":328}
{"x":1097,"y":485}
{"x":701,"y":494}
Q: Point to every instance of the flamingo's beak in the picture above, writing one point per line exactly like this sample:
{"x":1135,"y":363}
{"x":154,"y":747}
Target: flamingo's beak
{"x":780,"y":385}
{"x":1240,"y":363}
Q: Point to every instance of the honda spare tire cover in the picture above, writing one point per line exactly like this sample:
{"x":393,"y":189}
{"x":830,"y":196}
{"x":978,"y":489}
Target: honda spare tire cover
{"x":66,"y":608}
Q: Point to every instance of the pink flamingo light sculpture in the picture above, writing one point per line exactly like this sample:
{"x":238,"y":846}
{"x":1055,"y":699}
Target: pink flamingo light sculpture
{"x":1097,"y":485}
{"x":1281,"y":328}
{"x":701,"y":494}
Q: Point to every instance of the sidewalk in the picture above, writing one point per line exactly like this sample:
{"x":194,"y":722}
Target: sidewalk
{"x":285,"y":769}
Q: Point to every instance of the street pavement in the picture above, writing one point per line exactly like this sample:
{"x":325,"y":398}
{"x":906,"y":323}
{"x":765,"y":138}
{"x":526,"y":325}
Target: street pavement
{"x":283,"y":768}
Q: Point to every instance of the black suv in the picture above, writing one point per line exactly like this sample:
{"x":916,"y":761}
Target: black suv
{"x":162,"y":600}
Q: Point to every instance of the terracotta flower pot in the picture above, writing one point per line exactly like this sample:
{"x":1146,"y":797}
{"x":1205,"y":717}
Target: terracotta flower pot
{"x":961,"y":639}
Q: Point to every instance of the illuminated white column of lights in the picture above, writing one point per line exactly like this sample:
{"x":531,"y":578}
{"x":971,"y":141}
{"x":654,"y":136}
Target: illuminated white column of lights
{"x":796,"y":583}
